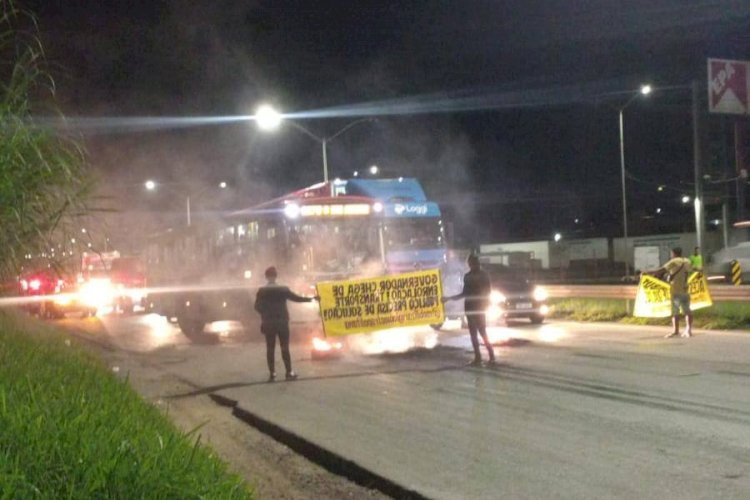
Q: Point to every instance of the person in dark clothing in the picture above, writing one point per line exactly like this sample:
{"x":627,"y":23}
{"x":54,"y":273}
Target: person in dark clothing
{"x":476,"y":295}
{"x":270,"y":302}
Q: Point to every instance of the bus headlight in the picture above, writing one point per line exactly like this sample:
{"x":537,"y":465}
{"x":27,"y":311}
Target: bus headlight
{"x":540,"y":294}
{"x":292,"y":210}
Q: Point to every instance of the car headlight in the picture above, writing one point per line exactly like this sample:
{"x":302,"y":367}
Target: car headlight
{"x":496,"y":298}
{"x":540,"y":294}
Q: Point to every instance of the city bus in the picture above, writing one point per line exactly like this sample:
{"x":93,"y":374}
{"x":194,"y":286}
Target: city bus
{"x":329,"y":231}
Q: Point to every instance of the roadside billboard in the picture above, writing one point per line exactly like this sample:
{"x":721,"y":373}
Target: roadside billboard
{"x":728,"y":86}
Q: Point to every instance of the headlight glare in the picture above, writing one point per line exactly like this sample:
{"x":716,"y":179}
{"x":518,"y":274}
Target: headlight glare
{"x":540,"y":294}
{"x":496,"y":297}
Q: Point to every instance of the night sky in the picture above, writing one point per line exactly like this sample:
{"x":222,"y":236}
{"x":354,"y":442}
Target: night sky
{"x":530,"y":166}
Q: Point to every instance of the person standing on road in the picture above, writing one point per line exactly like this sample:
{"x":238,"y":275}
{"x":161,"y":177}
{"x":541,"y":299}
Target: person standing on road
{"x":270,"y":302}
{"x":677,"y":271}
{"x":476,"y":295}
{"x":696,"y":260}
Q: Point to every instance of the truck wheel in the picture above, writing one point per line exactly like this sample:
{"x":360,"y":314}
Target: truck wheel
{"x":436,"y":326}
{"x":537,"y":319}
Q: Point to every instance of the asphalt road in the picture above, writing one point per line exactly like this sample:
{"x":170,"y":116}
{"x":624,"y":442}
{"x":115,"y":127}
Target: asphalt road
{"x":571,"y":411}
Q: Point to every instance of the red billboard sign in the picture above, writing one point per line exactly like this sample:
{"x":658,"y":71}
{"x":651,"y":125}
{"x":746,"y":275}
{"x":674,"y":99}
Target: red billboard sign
{"x":728,"y":86}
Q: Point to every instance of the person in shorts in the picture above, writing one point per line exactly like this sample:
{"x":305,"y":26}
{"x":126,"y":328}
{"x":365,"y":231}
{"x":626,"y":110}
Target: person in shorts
{"x":677,"y":271}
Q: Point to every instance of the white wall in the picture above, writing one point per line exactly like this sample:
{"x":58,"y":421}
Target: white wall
{"x":665,"y":242}
{"x":589,"y":249}
{"x":539,"y":249}
{"x":560,"y":254}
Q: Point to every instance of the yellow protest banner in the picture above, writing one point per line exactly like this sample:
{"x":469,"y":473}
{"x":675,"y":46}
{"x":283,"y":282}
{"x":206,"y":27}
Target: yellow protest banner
{"x":699,"y":294}
{"x":654,"y":296}
{"x":367,"y":305}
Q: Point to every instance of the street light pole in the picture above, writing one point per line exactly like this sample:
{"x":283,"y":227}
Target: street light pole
{"x":644,"y":90}
{"x":151,"y":185}
{"x":269,"y":119}
{"x":325,"y":140}
{"x":698,"y":167}
{"x":624,"y":195}
{"x":324,"y":143}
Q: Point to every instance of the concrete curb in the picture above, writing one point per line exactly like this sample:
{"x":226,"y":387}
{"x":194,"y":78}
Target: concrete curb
{"x":327,"y":459}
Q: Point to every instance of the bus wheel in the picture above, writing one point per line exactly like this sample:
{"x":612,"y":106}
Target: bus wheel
{"x":251,"y":325}
{"x":191,"y":327}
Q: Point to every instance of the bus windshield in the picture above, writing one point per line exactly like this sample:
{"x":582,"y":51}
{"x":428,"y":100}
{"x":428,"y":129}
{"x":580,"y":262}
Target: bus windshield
{"x":414,"y":234}
{"x":335,"y":246}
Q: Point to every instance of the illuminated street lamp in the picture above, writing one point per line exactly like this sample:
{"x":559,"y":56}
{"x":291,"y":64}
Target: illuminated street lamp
{"x":151,"y":185}
{"x":374,"y":170}
{"x":685,"y":199}
{"x":269,"y":119}
{"x":643,"y":91}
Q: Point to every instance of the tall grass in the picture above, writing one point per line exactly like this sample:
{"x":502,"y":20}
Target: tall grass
{"x":43,"y":181}
{"x":721,"y":316}
{"x":70,"y":429}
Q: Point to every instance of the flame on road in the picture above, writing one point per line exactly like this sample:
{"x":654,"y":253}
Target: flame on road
{"x":395,"y":340}
{"x":325,"y":345}
{"x":159,"y":327}
{"x":551,"y":333}
{"x":498,"y":334}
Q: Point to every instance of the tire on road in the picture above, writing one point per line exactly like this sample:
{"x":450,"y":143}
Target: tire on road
{"x":537,"y":319}
{"x":191,"y":327}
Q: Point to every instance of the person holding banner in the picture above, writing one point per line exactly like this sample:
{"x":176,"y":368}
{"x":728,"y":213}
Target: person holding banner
{"x":476,"y":295}
{"x":677,"y":271}
{"x":270,"y":302}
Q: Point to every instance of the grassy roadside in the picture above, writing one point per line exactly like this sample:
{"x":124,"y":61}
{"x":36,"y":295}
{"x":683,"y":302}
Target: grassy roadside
{"x":721,"y":316}
{"x":70,"y":429}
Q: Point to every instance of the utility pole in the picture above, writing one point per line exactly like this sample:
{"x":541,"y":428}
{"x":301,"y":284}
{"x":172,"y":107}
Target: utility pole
{"x":739,"y":161}
{"x":700,"y":216}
